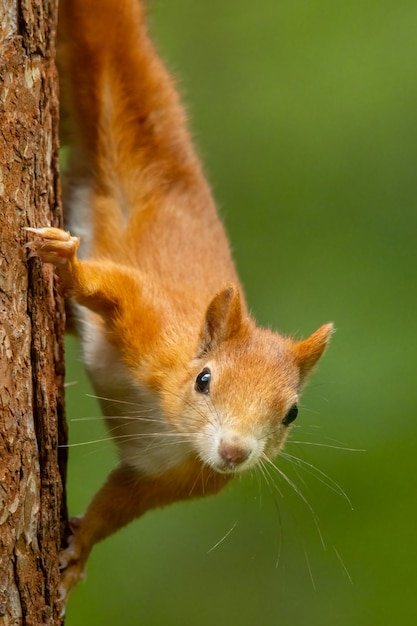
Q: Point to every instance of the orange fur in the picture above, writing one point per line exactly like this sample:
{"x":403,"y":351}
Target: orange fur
{"x":162,"y":316}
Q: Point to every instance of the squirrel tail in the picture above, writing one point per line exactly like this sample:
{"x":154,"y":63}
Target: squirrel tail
{"x":120,"y":113}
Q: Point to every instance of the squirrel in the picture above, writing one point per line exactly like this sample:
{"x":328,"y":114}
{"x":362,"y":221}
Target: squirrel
{"x":164,"y":326}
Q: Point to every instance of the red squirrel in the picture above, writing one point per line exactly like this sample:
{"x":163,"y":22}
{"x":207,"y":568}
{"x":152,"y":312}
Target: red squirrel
{"x":163,"y":322}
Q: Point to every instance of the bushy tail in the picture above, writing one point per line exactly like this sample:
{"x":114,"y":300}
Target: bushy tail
{"x":127,"y":128}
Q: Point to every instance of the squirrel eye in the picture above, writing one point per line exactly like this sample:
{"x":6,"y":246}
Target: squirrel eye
{"x":202,"y":382}
{"x":291,"y":415}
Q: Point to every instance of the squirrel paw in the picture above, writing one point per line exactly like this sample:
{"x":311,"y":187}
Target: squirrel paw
{"x":71,"y":563}
{"x":53,"y":245}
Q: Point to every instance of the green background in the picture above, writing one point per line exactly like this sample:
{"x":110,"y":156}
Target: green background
{"x":304,"y":113}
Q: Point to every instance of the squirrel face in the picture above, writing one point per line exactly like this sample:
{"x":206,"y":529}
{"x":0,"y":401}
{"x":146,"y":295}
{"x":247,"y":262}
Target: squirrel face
{"x":241,"y":401}
{"x":235,"y":402}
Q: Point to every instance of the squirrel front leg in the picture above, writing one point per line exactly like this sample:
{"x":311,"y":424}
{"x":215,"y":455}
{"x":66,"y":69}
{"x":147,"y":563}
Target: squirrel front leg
{"x":94,"y":284}
{"x":114,"y":506}
{"x":126,"y":495}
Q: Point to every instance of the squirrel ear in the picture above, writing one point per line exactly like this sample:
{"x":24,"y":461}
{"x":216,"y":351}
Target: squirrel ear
{"x":223,"y":319}
{"x":308,"y":351}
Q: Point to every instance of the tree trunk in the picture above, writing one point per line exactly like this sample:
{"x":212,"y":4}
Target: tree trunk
{"x":32,"y":467}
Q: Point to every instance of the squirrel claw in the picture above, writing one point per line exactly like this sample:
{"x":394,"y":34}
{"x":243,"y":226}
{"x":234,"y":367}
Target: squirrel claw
{"x":71,"y":563}
{"x":52,"y":245}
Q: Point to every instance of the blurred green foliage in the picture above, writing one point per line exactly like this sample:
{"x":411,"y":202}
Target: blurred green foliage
{"x":305,"y":114}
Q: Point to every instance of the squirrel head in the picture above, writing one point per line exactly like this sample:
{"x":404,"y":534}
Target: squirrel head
{"x":241,"y":392}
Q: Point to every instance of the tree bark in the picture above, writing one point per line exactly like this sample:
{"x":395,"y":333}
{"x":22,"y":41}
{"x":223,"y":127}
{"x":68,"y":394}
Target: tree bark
{"x":32,"y":466}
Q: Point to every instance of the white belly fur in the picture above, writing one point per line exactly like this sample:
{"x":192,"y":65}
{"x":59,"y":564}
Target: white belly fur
{"x":145,"y":440}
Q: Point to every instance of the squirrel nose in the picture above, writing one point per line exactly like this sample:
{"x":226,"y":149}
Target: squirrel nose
{"x":233,"y":453}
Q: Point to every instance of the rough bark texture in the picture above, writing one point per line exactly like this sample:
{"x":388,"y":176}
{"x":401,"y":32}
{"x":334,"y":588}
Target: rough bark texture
{"x":32,"y":512}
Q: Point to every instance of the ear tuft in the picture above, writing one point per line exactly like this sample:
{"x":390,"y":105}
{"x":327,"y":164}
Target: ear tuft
{"x":308,"y":351}
{"x":223,"y":319}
